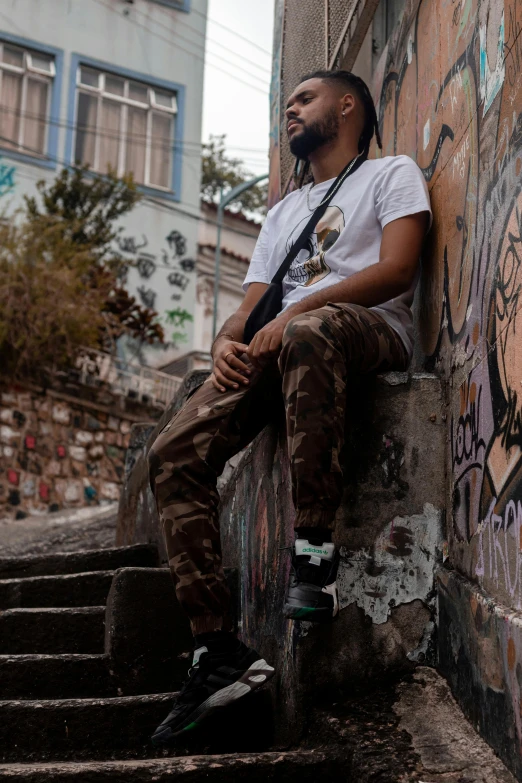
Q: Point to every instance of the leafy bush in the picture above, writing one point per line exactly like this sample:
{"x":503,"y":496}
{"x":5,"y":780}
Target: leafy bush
{"x":60,"y":276}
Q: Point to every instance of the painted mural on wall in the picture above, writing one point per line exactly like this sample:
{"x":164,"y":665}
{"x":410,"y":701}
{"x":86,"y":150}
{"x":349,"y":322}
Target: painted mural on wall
{"x":449,"y":93}
{"x":165,"y":273}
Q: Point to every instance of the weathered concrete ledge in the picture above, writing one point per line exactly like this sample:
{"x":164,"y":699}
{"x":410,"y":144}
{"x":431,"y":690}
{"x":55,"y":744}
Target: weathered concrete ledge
{"x":301,"y":766}
{"x":137,"y":516}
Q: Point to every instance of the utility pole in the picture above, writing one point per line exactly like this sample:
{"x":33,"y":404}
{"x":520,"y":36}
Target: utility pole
{"x":224,"y":200}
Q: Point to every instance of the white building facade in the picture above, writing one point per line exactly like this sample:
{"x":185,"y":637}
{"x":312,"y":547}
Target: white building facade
{"x":238,"y":239}
{"x":114,"y":83}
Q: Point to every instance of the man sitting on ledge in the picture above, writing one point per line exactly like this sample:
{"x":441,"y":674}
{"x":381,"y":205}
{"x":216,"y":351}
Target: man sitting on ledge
{"x":346,"y":311}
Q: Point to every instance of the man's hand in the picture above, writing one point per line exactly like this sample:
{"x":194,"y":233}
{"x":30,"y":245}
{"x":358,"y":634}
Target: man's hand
{"x":266,"y":344}
{"x":229,"y":371}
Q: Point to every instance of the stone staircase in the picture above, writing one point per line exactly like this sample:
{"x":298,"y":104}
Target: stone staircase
{"x":80,"y":692}
{"x":59,"y":694}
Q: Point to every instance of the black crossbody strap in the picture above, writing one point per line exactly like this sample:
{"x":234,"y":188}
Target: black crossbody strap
{"x":316,"y":216}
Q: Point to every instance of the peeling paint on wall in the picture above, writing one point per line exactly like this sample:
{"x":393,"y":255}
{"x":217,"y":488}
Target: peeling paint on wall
{"x":397,"y":570}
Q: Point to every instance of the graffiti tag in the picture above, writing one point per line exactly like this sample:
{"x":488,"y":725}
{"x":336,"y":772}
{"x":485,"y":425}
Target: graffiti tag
{"x":179,"y":280}
{"x":7,"y":174}
{"x":130,"y":245}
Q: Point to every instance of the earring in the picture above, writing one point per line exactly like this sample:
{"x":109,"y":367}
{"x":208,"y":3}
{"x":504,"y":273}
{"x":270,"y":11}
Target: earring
{"x":342,"y":114}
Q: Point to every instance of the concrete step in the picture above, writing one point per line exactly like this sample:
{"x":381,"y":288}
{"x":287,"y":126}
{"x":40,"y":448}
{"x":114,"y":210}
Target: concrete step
{"x":120,"y":727}
{"x":90,"y":589}
{"x":299,"y":766}
{"x":140,"y":555}
{"x":88,"y":729}
{"x":51,"y":631}
{"x":404,"y":731}
{"x":55,"y":677}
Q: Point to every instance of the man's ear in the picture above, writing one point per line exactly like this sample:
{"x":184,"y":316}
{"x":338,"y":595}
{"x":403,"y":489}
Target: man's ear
{"x":347,"y":103}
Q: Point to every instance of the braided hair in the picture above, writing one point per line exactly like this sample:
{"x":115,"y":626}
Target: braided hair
{"x":349,"y":80}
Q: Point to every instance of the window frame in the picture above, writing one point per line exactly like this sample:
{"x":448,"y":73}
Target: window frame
{"x":125,"y":101}
{"x":173,"y":192}
{"x":48,"y":159}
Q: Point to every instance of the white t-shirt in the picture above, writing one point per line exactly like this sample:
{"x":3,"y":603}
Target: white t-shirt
{"x":348,"y":236}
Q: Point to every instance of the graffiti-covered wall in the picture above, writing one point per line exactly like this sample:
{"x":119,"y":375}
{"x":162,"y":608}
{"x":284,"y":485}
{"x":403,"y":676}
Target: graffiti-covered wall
{"x":448,"y":89}
{"x":449,"y":94}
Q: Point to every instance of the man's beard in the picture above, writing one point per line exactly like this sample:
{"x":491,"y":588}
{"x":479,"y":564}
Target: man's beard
{"x":315,"y":135}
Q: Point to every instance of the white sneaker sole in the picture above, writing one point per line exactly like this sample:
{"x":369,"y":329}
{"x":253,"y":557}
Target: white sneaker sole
{"x":255,"y":677}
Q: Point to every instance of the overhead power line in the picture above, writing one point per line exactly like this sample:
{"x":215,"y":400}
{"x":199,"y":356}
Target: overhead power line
{"x":187,"y":154}
{"x":229,"y":29}
{"x":178,"y":47}
{"x":168,"y":207}
{"x":206,"y":38}
{"x":218,"y":56}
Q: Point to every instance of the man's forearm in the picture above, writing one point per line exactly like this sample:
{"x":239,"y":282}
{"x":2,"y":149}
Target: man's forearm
{"x":369,"y":288}
{"x":234,"y":326}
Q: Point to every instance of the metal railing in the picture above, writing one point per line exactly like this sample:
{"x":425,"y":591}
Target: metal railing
{"x":96,"y":368}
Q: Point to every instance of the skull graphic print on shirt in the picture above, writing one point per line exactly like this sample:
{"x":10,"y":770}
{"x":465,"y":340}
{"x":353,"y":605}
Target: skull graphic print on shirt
{"x":310,"y":265}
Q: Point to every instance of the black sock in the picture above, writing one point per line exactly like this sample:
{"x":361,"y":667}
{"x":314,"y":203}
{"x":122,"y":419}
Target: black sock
{"x":315,"y":535}
{"x":217,"y":641}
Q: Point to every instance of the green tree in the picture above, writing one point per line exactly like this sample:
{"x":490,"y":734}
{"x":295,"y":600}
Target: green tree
{"x":221,"y":171}
{"x":86,"y":205}
{"x":60,"y":276}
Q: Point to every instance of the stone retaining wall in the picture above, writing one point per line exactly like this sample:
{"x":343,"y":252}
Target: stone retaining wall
{"x":62,"y":450}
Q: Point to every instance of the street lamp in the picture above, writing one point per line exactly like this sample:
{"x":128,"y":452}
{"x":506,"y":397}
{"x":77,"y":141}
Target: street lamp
{"x":226,"y":199}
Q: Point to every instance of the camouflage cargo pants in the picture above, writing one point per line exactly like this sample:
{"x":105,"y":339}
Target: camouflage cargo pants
{"x":321,"y":350}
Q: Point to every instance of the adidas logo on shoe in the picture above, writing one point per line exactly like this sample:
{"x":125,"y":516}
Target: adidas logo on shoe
{"x":325,"y":551}
{"x":313,"y":551}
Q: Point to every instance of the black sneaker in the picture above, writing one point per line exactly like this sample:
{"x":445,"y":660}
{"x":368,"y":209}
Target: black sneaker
{"x":215,"y":681}
{"x":312,"y":593}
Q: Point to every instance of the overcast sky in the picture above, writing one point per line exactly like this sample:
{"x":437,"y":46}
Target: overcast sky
{"x":229,"y":105}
